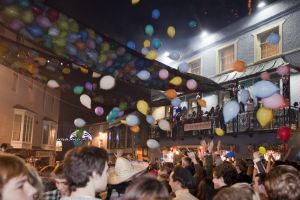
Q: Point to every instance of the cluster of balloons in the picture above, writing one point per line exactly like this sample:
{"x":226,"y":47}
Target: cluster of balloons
{"x":113,"y":114}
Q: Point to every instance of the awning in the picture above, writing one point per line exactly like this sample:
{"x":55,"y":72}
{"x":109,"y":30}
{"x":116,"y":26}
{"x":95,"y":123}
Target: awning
{"x":251,"y":70}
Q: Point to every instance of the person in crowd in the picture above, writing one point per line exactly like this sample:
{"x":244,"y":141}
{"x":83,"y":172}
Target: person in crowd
{"x":186,"y":162}
{"x":205,"y":189}
{"x":61,"y":184}
{"x":200,"y":172}
{"x":46,"y":171}
{"x":46,"y":179}
{"x":35,"y":180}
{"x":182,"y":182}
{"x":224,"y":175}
{"x":241,"y":168}
{"x":238,"y":191}
{"x":283,"y":182}
{"x":85,"y":169}
{"x":258,"y":185}
{"x":146,"y":188}
{"x":163,"y":172}
{"x":15,"y":179}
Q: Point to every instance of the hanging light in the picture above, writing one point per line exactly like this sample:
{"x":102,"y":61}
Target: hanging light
{"x":261,"y":4}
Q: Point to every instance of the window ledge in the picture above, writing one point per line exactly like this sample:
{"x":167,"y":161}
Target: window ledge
{"x":21,"y":145}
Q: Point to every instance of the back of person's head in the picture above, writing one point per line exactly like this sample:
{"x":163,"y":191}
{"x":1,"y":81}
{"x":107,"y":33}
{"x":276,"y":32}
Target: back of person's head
{"x":46,"y":171}
{"x":146,"y":188}
{"x":184,"y":177}
{"x":227,"y":171}
{"x":81,"y":162}
{"x":238,"y":191}
{"x":283,"y":182}
{"x":241,"y":164}
{"x":187,"y":161}
{"x":205,"y":189}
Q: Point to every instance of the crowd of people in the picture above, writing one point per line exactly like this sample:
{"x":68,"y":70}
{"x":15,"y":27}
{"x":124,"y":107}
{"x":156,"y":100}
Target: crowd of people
{"x":85,"y":174}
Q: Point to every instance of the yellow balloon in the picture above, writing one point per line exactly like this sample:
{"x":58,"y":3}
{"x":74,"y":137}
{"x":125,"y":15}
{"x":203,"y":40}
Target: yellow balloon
{"x":66,"y":70}
{"x":171,"y":31}
{"x":176,"y":81}
{"x":142,"y":106}
{"x":219,"y":131}
{"x":133,"y":2}
{"x":262,"y":150}
{"x":264,"y":116}
{"x":42,"y":61}
{"x":102,"y":58}
{"x":105,"y":46}
{"x":135,"y":129}
{"x":147,"y":43}
{"x":151,"y":55}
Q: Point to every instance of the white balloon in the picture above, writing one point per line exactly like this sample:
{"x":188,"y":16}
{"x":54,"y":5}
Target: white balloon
{"x":243,"y":96}
{"x":107,"y":82}
{"x":79,"y":122}
{"x":231,"y":110}
{"x":152,"y":144}
{"x":86,"y":101}
{"x":183,"y":67}
{"x":150,"y":119}
{"x":52,"y":84}
{"x":145,"y":51}
{"x":164,"y":125}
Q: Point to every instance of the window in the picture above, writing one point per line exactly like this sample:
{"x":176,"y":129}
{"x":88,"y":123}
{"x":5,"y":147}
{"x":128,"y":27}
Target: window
{"x":195,"y":66}
{"x":192,"y":106}
{"x":49,"y":133}
{"x":226,"y":58}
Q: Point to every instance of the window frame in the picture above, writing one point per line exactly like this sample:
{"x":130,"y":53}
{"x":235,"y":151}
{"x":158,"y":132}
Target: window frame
{"x":193,"y":59}
{"x":51,"y":126}
{"x":218,"y":58}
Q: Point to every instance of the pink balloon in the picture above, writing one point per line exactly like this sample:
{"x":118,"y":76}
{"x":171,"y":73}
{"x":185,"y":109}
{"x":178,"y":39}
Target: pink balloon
{"x":274,"y":101}
{"x":43,"y":21}
{"x":163,"y":74}
{"x":99,"y":111}
{"x":265,"y":76}
{"x":121,"y":113}
{"x":191,"y":84}
{"x":283,"y":70}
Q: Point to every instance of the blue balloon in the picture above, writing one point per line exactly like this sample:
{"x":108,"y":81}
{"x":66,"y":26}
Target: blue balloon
{"x":156,"y":43}
{"x":73,"y":37}
{"x":117,"y":109}
{"x":155,"y":14}
{"x":183,"y":67}
{"x":229,"y":154}
{"x":264,"y":89}
{"x":71,"y":50}
{"x":149,"y":119}
{"x":192,"y":24}
{"x":93,"y":55}
{"x":131,"y":44}
{"x":175,"y":55}
{"x":99,"y":39}
{"x":35,"y":30}
{"x":273,"y":38}
{"x":243,"y":96}
{"x":114,"y":114}
{"x":144,"y":75}
{"x":84,"y":35}
{"x":176,"y":102}
{"x":231,"y":110}
{"x":132,"y":120}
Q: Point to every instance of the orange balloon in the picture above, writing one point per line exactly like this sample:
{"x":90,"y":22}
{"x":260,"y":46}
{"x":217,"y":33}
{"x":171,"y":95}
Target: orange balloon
{"x":239,"y":66}
{"x":171,"y":94}
{"x":135,"y":129}
{"x":84,"y":70}
{"x":202,"y":103}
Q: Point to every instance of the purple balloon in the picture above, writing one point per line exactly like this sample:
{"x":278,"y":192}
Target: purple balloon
{"x":89,"y":86}
{"x":121,"y":113}
{"x":99,"y":111}
{"x":90,"y":44}
{"x":16,"y":25}
{"x":43,"y":21}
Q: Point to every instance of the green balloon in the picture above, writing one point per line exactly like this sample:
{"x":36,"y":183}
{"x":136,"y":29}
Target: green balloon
{"x":123,"y":106}
{"x":73,"y":26}
{"x":63,"y":25}
{"x":27,"y":16}
{"x":78,"y":89}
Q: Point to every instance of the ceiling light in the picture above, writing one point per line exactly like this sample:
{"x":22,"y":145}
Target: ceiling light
{"x":166,"y":54}
{"x":261,"y":4}
{"x":204,"y":33}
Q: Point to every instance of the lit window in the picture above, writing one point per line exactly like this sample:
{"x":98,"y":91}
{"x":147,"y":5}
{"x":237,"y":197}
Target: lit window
{"x":49,"y":134}
{"x":226,"y":58}
{"x":195,"y":66}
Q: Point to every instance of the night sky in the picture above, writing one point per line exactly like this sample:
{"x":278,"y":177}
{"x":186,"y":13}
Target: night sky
{"x":123,"y":21}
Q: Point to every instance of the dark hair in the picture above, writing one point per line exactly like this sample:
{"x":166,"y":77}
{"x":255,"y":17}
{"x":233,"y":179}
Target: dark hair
{"x":205,"y":189}
{"x":81,"y":162}
{"x":188,"y":160}
{"x":239,"y":191}
{"x":283,"y":182}
{"x":227,"y":171}
{"x":241,"y":164}
{"x":261,"y":178}
{"x":146,"y":188}
{"x":184,"y":177}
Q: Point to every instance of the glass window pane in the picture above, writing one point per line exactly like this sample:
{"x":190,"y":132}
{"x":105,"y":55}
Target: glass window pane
{"x":17,"y":127}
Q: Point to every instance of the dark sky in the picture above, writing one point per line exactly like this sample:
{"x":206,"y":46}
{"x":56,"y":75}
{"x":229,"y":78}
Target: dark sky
{"x":123,"y":21}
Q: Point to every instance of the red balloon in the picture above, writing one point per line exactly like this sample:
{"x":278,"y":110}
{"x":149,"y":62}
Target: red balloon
{"x":36,"y":10}
{"x":284,"y":133}
{"x":52,"y":15}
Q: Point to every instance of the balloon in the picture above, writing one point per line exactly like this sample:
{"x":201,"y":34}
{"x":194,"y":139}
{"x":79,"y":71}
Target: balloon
{"x":78,"y":89}
{"x":262,"y":150}
{"x":274,"y":101}
{"x":171,"y":93}
{"x":273,"y":38}
{"x":73,"y":37}
{"x":131,"y":44}
{"x":150,"y":119}
{"x":171,"y":31}
{"x":175,"y":55}
{"x":183,"y":67}
{"x":121,"y":113}
{"x":231,"y":110}
{"x":283,"y":70}
{"x":229,"y":154}
{"x":85,"y":100}
{"x":16,"y":25}
{"x":53,"y":31}
{"x":264,"y":116}
{"x":135,"y":129}
{"x":52,"y":84}
{"x":98,"y":39}
{"x":52,"y":14}
{"x":133,"y":2}
{"x":142,"y":107}
{"x":145,"y":51}
{"x":71,"y":50}
{"x":156,"y":43}
{"x":88,"y":86}
{"x":164,"y":125}
{"x":244,"y":96}
{"x":191,"y":84}
{"x":176,"y":102}
{"x":149,"y":30}
{"x":27,"y":16}
{"x":79,"y":122}
{"x":176,"y":81}
{"x":151,"y":55}
{"x":35,"y":30}
{"x":11,"y":11}
{"x":91,"y":44}
{"x":155,"y":14}
{"x":152,"y":144}
{"x":80,"y":45}
{"x":66,"y":70}
{"x":265,"y":76}
{"x":42,"y":61}
{"x":144,"y":75}
{"x":132,"y":120}
{"x":219,"y":131}
{"x":24,"y":3}
{"x":263,"y":89}
{"x":147,"y":43}
{"x":107,"y":82}
{"x":239,"y":66}
{"x":202,"y":103}
{"x":43,"y":21}
{"x":284,"y":133}
{"x":121,"y":51}
{"x":63,"y":24}
{"x":37,"y":10}
{"x":123,"y":105}
{"x":163,"y":74}
{"x":192,"y":24}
